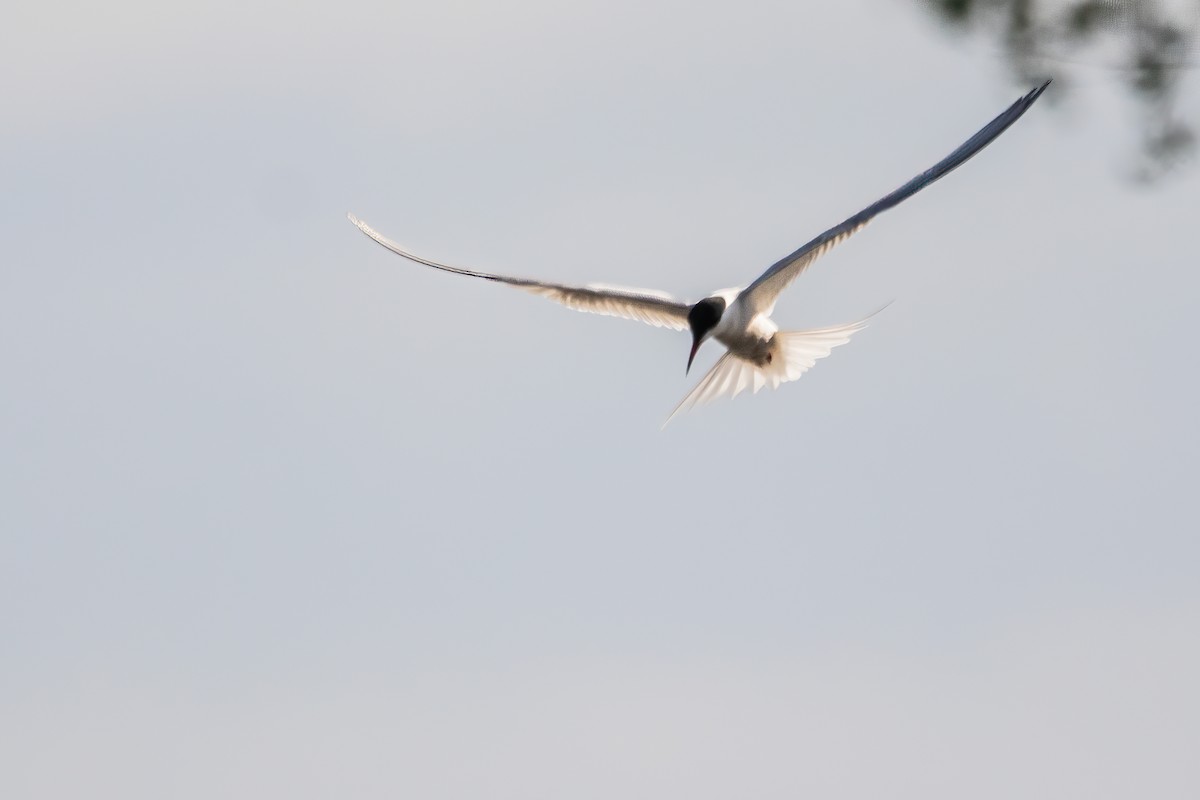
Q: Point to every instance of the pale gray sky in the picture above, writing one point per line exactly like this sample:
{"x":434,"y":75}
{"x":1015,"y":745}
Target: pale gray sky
{"x":265,"y":537}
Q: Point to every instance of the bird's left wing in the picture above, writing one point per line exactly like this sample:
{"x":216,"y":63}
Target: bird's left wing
{"x":644,"y":305}
{"x":761,"y":295}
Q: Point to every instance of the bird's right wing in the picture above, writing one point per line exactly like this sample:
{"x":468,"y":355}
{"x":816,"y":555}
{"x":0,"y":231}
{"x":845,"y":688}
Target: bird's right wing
{"x":760,"y":295}
{"x":644,"y":305}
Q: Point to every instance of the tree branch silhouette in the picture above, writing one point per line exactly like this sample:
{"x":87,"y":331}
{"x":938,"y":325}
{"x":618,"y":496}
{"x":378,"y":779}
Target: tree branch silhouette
{"x":1041,"y":39}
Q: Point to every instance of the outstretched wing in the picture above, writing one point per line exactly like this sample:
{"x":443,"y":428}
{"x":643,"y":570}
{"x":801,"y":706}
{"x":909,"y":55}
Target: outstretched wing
{"x":761,"y":294}
{"x":643,"y":305}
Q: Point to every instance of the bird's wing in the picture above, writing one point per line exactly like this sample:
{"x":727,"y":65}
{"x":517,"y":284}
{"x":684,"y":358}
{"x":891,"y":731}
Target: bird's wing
{"x":643,"y":305}
{"x":761,"y":295}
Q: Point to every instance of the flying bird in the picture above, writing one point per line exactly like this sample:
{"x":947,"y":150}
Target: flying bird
{"x":757,"y":353}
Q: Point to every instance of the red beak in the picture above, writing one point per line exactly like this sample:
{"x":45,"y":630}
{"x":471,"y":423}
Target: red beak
{"x":692,"y":355}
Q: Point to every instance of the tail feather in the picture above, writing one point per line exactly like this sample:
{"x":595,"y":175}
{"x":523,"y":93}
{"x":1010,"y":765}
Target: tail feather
{"x":794,"y":353}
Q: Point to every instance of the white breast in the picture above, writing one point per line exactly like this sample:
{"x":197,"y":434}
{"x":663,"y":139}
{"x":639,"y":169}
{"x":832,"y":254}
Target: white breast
{"x":744,"y":332}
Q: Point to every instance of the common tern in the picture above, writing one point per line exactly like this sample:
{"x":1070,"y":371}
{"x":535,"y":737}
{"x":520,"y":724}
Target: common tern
{"x":757,"y":353}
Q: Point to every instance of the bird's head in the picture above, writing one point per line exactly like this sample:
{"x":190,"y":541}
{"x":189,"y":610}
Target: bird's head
{"x":702,"y":319}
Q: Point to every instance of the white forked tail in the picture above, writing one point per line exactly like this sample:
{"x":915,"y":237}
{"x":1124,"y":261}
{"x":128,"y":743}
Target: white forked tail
{"x":793,"y":354}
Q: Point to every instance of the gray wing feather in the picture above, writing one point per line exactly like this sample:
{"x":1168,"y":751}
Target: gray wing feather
{"x":761,"y":294}
{"x":643,"y":305}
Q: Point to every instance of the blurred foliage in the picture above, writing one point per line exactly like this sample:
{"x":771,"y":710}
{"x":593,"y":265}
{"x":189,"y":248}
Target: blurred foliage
{"x":1051,"y":38}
